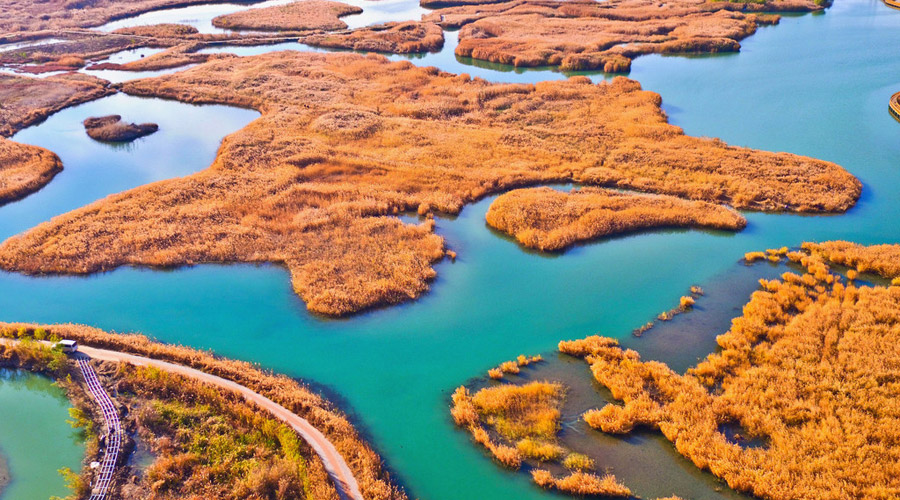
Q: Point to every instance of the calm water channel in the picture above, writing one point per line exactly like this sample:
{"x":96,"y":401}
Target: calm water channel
{"x":35,"y":439}
{"x":816,"y":85}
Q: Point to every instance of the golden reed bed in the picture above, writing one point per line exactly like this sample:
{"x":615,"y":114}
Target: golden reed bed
{"x":399,"y":38}
{"x":809,"y":370}
{"x":588,"y":35}
{"x":807,"y":375}
{"x":345,"y":141}
{"x":549,"y":220}
{"x":302,"y":15}
{"x":24,"y":169}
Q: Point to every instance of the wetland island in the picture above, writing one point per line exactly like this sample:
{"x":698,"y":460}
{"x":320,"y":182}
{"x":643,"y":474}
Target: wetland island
{"x":449,"y":249}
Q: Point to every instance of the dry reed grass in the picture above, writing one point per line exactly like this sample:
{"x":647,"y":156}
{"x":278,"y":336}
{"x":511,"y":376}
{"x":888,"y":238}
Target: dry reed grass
{"x":751,"y":257}
{"x":368,"y":468}
{"x":398,"y":38}
{"x":519,"y":424}
{"x":345,"y":140}
{"x":581,"y":484}
{"x":549,"y":220}
{"x":578,"y":461}
{"x":883,"y":260}
{"x":809,"y":369}
{"x":17,"y":16}
{"x":162,"y":30}
{"x":518,"y":412}
{"x":24,"y":169}
{"x":176,"y":56}
{"x":513,"y":367}
{"x":25,"y":101}
{"x":112,"y":129}
{"x":304,"y":15}
{"x":211,"y":444}
{"x":526,"y":416}
{"x":588,"y":35}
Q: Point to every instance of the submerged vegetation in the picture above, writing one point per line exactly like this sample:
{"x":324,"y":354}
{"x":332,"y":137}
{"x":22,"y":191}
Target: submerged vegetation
{"x":112,"y":129}
{"x":548,"y":220}
{"x":807,"y":370}
{"x":345,"y":140}
{"x":24,"y":169}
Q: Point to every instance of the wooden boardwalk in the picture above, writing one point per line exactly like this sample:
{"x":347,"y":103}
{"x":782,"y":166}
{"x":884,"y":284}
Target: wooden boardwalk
{"x":113,"y":435}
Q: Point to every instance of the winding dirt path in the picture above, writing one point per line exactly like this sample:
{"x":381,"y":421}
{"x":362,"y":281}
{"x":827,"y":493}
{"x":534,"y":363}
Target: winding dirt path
{"x":337,"y":468}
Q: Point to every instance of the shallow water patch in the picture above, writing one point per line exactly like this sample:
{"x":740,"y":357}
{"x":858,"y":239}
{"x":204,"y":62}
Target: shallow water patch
{"x":186,"y":142}
{"x":35,"y":436}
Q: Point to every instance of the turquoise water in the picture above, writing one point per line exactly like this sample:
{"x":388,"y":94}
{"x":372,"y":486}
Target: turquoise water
{"x":186,"y":142}
{"x":35,"y":437}
{"x":815,"y":85}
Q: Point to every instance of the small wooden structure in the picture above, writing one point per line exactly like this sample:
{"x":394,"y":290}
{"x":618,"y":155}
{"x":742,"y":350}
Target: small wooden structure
{"x":894,"y":106}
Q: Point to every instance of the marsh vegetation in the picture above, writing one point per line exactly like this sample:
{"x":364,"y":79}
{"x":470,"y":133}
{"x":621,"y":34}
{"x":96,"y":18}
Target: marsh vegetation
{"x":586,"y":35}
{"x":825,"y":345}
{"x":304,"y":15}
{"x":112,"y":129}
{"x":550,"y":220}
{"x":25,"y":101}
{"x":398,"y":38}
{"x":346,"y":140}
{"x":19,"y":16}
{"x":24,"y":169}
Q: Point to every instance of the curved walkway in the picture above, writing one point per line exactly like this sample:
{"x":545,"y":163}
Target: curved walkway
{"x":337,"y":468}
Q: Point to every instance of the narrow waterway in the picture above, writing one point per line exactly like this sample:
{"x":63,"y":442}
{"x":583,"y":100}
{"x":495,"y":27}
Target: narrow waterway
{"x":201,"y":16}
{"x":815,"y":85}
{"x":35,"y":437}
